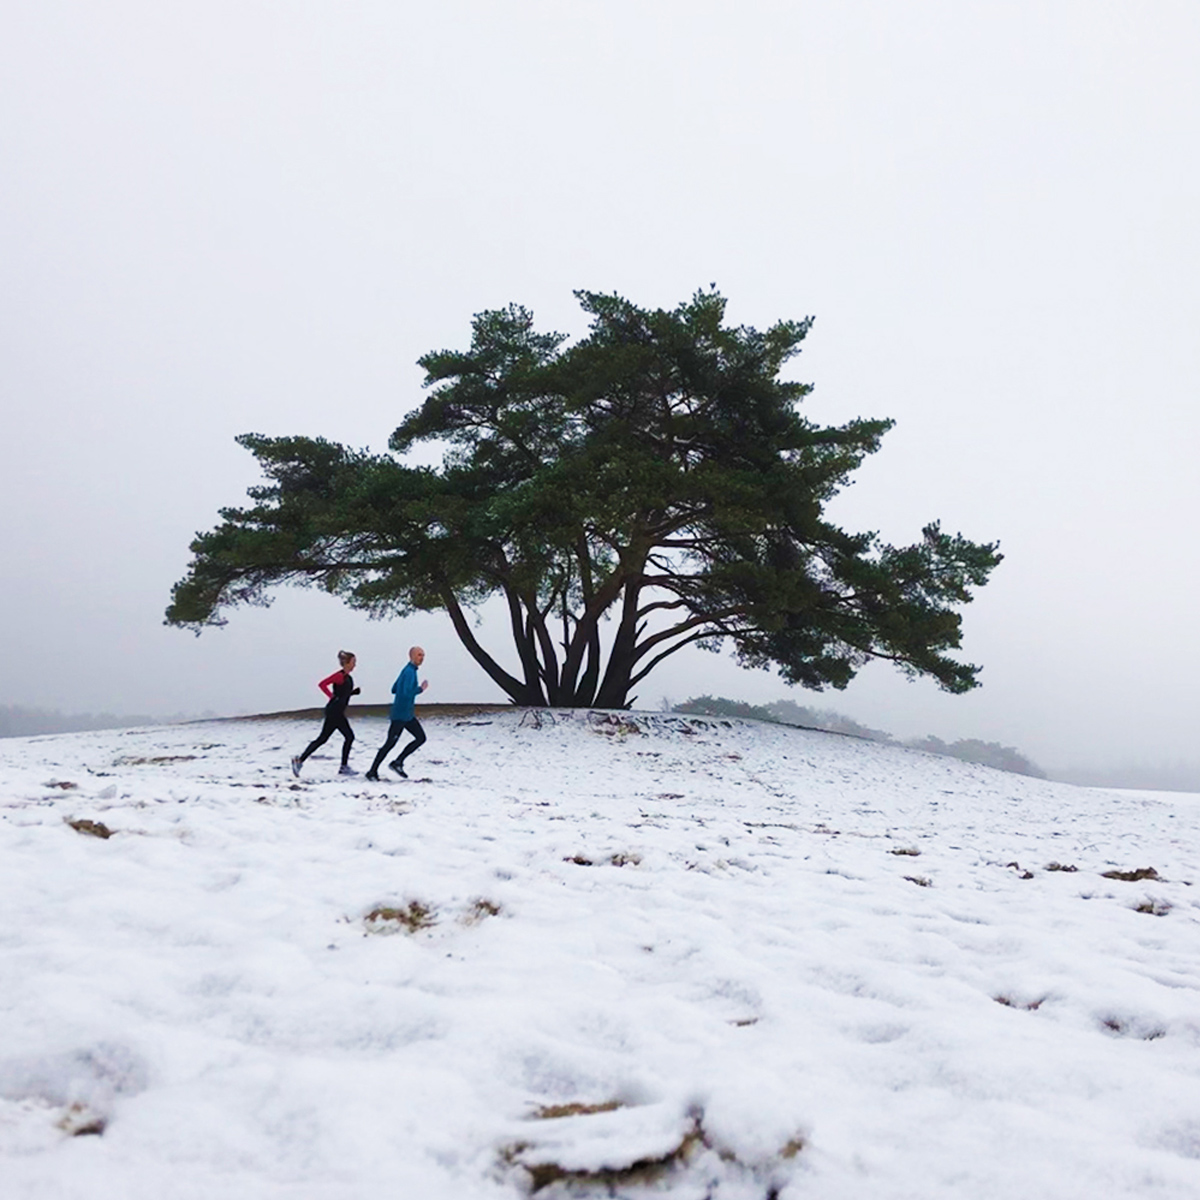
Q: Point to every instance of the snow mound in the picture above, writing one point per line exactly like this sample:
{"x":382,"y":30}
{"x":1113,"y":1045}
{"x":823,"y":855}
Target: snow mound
{"x":626,"y":954}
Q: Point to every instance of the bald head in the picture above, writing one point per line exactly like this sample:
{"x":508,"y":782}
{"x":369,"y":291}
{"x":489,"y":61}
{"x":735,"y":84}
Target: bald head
{"x":416,"y":656}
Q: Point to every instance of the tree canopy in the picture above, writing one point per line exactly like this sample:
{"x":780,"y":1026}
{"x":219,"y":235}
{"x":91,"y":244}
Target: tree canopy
{"x":649,"y":487}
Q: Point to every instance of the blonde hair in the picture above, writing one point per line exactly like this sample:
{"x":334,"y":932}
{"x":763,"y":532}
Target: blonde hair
{"x":344,"y":656}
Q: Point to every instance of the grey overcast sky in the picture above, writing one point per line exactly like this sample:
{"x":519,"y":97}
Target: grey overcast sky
{"x":224,"y":217}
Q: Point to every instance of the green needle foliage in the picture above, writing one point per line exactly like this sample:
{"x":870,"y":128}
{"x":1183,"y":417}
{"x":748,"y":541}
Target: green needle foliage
{"x":654,"y":482}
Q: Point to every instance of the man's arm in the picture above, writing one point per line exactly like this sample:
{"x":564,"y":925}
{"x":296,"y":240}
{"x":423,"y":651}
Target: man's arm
{"x":406,"y":686}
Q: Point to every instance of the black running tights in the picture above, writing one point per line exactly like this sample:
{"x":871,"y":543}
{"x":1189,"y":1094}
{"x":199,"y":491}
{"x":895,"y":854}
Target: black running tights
{"x":334,"y":723}
{"x":395,"y":729}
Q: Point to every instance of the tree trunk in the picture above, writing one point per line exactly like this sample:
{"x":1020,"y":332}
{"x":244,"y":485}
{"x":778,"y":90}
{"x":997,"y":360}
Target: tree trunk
{"x":615,"y":688}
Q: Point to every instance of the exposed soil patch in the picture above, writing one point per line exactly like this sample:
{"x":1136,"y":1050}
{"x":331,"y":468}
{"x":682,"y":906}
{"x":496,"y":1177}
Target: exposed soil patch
{"x":643,"y":1172}
{"x":1131,"y":876}
{"x":81,"y":1121}
{"x":1124,"y":1028}
{"x":625,"y":860}
{"x":1027,"y":1005}
{"x":614,"y":860}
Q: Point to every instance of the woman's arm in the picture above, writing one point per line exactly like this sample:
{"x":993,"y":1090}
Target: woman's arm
{"x":327,"y":685}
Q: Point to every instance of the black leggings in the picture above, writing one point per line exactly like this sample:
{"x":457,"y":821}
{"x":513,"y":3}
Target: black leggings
{"x":395,"y":729}
{"x":335,"y":722}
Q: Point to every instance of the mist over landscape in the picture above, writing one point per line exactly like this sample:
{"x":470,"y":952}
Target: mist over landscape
{"x":599,"y":599}
{"x":230,"y":219}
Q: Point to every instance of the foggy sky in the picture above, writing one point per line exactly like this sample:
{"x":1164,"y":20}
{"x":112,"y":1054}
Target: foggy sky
{"x":228,"y":217}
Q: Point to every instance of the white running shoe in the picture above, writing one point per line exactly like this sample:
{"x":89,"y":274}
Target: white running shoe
{"x":296,"y":765}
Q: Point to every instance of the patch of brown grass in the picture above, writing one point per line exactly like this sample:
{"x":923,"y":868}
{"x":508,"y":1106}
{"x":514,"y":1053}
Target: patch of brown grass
{"x":158,"y":761}
{"x":413,"y":917}
{"x":480,"y":910}
{"x":551,"y":1112}
{"x":94,"y":828}
{"x":1131,"y":876}
{"x":919,"y":880}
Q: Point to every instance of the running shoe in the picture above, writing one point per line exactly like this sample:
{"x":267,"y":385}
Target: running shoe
{"x":346,"y":769}
{"x":398,"y":769}
{"x":371,"y":776}
{"x":296,"y":765}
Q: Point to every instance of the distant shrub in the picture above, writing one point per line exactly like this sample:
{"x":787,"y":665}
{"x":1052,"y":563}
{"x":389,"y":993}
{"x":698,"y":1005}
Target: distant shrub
{"x":788,"y":712}
{"x":791,"y":713}
{"x":720,"y":706}
{"x":988,"y":754}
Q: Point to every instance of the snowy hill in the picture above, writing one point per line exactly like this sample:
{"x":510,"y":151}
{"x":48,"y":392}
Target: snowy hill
{"x":588,"y":955}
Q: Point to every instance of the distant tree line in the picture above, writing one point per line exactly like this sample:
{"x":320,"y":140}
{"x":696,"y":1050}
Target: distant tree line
{"x":787,"y":712}
{"x":16,"y":721}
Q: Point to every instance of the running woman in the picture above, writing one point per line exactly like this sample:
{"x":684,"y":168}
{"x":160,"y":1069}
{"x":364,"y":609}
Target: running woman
{"x":406,"y":690}
{"x":338,"y":689}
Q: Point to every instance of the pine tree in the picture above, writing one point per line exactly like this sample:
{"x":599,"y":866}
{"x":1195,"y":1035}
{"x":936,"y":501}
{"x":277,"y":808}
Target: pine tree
{"x":650,"y":487}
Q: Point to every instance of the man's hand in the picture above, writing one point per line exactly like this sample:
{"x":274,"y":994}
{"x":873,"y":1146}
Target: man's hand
{"x":424,"y":684}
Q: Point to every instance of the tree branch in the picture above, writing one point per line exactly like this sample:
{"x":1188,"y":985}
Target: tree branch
{"x":515,"y":689}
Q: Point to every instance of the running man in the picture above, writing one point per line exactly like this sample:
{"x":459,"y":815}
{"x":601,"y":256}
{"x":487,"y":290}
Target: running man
{"x":338,"y":689}
{"x":406,"y":690}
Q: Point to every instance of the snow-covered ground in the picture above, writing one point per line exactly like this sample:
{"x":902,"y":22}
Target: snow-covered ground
{"x":652,"y":955}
